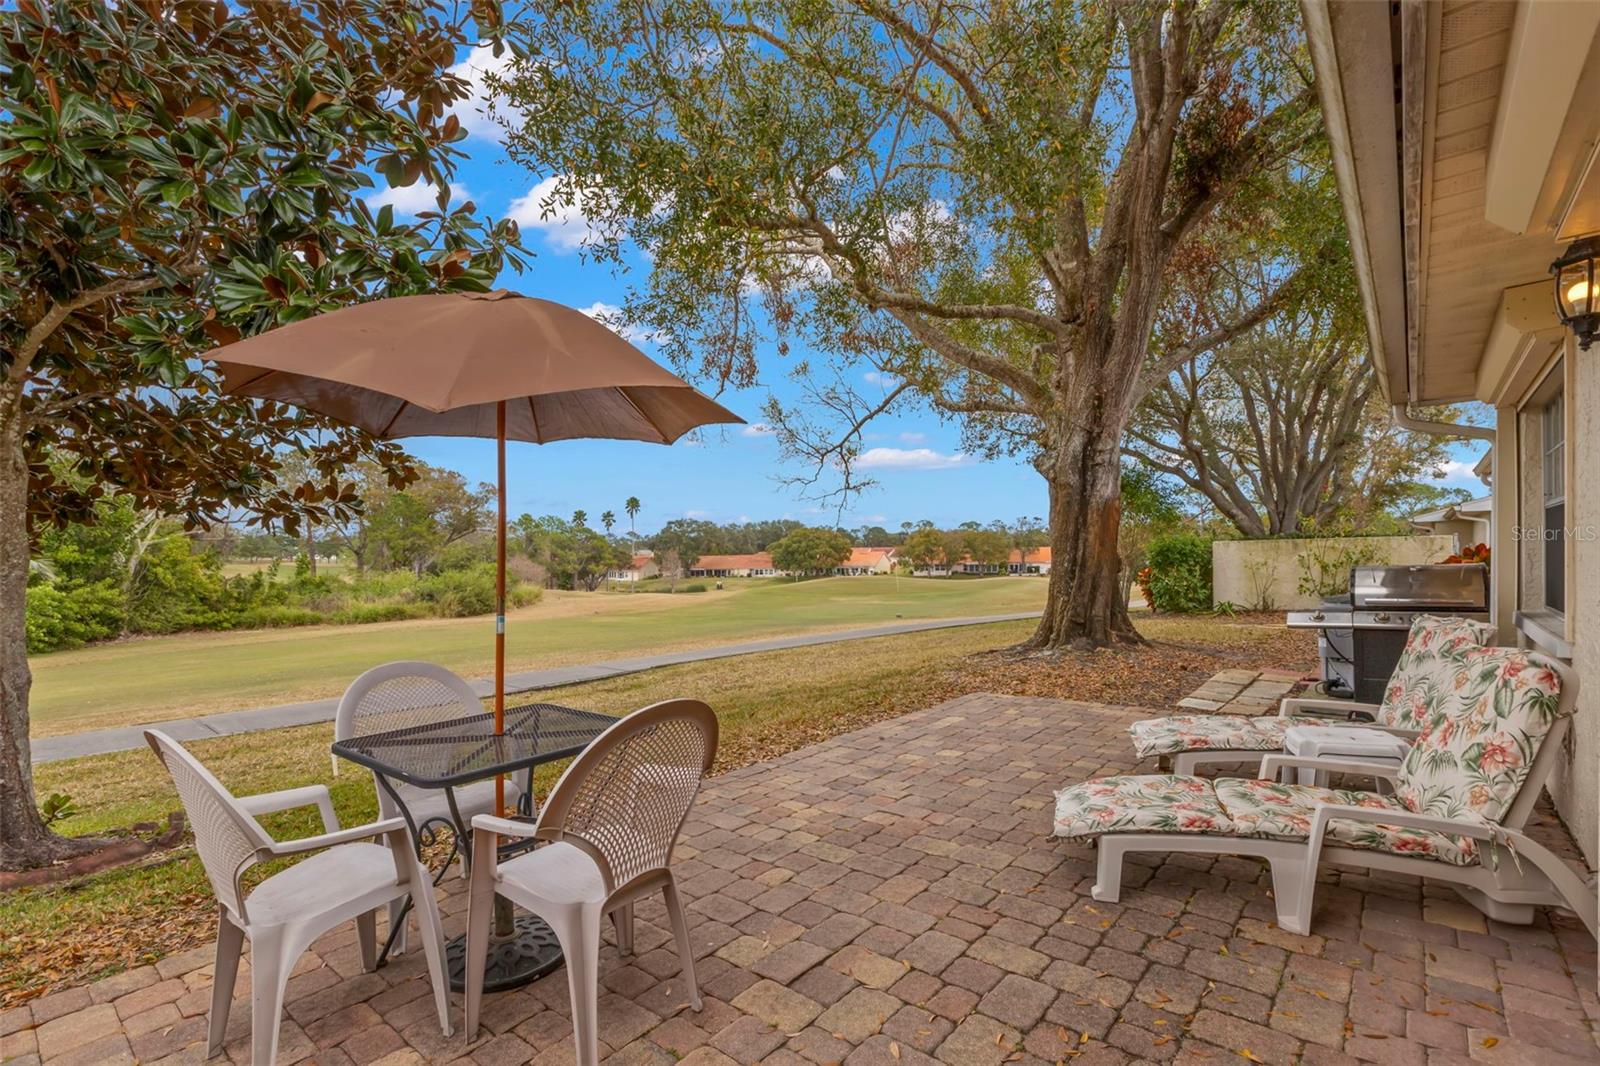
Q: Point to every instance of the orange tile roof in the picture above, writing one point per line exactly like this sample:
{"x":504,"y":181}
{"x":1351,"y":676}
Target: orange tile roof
{"x":1035,"y":555}
{"x":864,"y":557}
{"x":757,"y":561}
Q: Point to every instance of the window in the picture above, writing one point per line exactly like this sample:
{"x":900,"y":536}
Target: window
{"x":1553,"y":432}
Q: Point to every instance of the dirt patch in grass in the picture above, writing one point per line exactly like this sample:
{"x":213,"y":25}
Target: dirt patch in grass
{"x":767,"y":705}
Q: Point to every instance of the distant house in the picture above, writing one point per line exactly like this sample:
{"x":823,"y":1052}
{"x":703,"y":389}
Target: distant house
{"x":757,"y":564}
{"x":1035,"y":561}
{"x":1468,"y":521}
{"x":1032,"y":561}
{"x":642,"y":565}
{"x":864,"y":561}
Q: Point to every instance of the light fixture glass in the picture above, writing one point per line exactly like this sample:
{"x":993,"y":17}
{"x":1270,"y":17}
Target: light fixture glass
{"x":1577,"y":297}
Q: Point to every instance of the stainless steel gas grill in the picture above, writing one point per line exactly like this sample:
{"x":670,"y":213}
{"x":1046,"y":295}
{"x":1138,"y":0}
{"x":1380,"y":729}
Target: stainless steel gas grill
{"x":1362,"y":634}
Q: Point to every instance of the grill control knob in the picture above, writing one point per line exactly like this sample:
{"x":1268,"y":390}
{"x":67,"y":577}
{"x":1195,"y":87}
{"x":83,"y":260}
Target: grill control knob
{"x":1381,"y":616}
{"x":1317,"y":616}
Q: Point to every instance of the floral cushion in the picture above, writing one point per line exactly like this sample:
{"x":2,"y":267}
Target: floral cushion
{"x":1434,"y":649}
{"x":1212,"y":732}
{"x":1152,"y":803}
{"x":1268,"y":809}
{"x":1481,"y":735}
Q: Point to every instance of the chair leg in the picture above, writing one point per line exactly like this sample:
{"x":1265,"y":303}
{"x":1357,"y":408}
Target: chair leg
{"x":397,"y":916}
{"x":1294,"y":886}
{"x":269,"y":974}
{"x":367,"y":937}
{"x":680,"y":933}
{"x":1108,"y":870}
{"x":622,"y":919}
{"x":480,"y":912}
{"x":578,"y":929}
{"x":230,"y":942}
{"x":431,"y":929}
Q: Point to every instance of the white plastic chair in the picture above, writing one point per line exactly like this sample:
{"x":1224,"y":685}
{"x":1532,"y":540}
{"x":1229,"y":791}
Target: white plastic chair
{"x":611,"y":823}
{"x":399,"y":695}
{"x":290,"y":909}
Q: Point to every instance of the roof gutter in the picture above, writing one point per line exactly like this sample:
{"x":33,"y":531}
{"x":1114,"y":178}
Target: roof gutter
{"x":1404,"y":420}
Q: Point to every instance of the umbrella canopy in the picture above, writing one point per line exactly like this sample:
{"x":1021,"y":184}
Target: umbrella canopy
{"x":440,"y":365}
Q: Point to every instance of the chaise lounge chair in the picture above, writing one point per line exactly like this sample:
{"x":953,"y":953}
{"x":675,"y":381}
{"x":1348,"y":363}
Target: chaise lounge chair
{"x":1494,"y":732}
{"x":1433,"y":646}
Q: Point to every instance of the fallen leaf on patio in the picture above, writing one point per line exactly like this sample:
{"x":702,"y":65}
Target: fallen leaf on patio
{"x":1248,"y":1055}
{"x":894,"y":1049}
{"x":1490,"y":1041}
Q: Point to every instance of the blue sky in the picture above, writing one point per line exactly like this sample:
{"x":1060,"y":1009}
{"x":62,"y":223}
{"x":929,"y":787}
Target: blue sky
{"x":728,"y":474}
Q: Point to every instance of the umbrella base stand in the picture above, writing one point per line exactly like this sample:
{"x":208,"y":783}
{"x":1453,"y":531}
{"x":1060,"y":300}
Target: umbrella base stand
{"x":528,"y":952}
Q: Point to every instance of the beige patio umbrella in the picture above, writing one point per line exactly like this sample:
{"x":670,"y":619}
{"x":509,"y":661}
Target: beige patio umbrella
{"x":496,"y":364}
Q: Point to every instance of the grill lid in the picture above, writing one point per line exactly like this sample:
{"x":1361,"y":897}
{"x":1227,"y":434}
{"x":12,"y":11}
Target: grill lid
{"x":1444,"y":587}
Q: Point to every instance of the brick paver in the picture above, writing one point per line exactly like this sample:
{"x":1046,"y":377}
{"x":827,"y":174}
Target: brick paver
{"x":892,"y":897}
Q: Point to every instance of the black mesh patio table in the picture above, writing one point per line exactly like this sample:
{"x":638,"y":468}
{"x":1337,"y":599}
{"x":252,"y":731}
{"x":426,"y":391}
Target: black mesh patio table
{"x":462,"y":750}
{"x":449,"y":754}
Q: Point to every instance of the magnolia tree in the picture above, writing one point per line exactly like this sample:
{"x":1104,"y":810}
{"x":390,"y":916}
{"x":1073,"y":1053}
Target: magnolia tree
{"x":175,"y":174}
{"x":979,"y":207}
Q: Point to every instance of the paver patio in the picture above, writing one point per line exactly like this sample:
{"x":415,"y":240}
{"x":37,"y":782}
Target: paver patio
{"x":891,"y":896}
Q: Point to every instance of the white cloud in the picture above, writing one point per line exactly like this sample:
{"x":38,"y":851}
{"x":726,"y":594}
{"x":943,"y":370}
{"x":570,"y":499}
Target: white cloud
{"x":744,"y":518}
{"x":909,"y":459}
{"x":1455,"y":470}
{"x":478,"y":111}
{"x":696,"y":514}
{"x":913,"y":437}
{"x":415,"y":198}
{"x":611,"y":316}
{"x":757,"y":429}
{"x":878,"y":377}
{"x":563,"y":223}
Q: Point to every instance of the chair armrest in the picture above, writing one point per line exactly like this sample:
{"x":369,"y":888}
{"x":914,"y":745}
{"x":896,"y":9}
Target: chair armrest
{"x":1476,"y":828}
{"x":288,"y":799}
{"x":1271,"y":765}
{"x":342,"y":836}
{"x":504,"y":827}
{"x":1324,"y":708}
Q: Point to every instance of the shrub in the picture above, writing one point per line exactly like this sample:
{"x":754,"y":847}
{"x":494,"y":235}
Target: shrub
{"x":177,"y":589}
{"x":363,"y":613}
{"x":67,"y":617}
{"x":279,"y":616}
{"x":1180,"y":573}
{"x":459,"y":593}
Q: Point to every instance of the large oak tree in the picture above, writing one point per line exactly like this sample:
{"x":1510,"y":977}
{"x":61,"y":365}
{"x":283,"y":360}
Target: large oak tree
{"x":984,"y":204}
{"x":175,"y":174}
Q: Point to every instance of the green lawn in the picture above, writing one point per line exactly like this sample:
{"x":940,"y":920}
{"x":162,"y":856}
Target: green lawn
{"x":153,"y":679}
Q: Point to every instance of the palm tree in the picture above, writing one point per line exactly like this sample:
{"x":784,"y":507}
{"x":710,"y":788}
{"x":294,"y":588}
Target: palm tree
{"x":580,"y":518}
{"x":608,"y":520}
{"x":631,"y":505}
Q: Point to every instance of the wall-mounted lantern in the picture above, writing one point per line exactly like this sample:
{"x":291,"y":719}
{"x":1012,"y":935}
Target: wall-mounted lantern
{"x":1577,"y":297}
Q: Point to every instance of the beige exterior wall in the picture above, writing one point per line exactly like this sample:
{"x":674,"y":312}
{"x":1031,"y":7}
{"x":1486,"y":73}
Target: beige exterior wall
{"x":1576,"y":784}
{"x":1267,"y":574}
{"x":1465,"y":532}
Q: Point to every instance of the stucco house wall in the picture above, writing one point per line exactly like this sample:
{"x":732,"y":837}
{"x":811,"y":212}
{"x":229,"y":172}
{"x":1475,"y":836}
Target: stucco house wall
{"x":1267,"y":574}
{"x":1574,"y":786}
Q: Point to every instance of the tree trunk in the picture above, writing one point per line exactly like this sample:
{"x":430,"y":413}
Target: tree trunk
{"x":1084,"y":605}
{"x":311,"y":549}
{"x":25,"y":841}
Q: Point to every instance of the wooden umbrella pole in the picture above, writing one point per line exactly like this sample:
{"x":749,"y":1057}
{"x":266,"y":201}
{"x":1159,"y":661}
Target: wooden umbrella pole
{"x":500,"y":596}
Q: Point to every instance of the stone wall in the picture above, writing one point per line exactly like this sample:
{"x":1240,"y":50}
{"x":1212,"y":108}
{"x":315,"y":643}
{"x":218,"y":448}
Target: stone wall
{"x":1271,"y":574}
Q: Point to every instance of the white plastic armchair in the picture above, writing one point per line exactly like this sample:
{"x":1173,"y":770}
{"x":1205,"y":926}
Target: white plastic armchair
{"x":610,"y":826}
{"x":398,"y":695}
{"x":344,"y":880}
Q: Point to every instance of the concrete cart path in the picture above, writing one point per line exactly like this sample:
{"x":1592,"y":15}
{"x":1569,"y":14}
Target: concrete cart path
{"x":126,"y":738}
